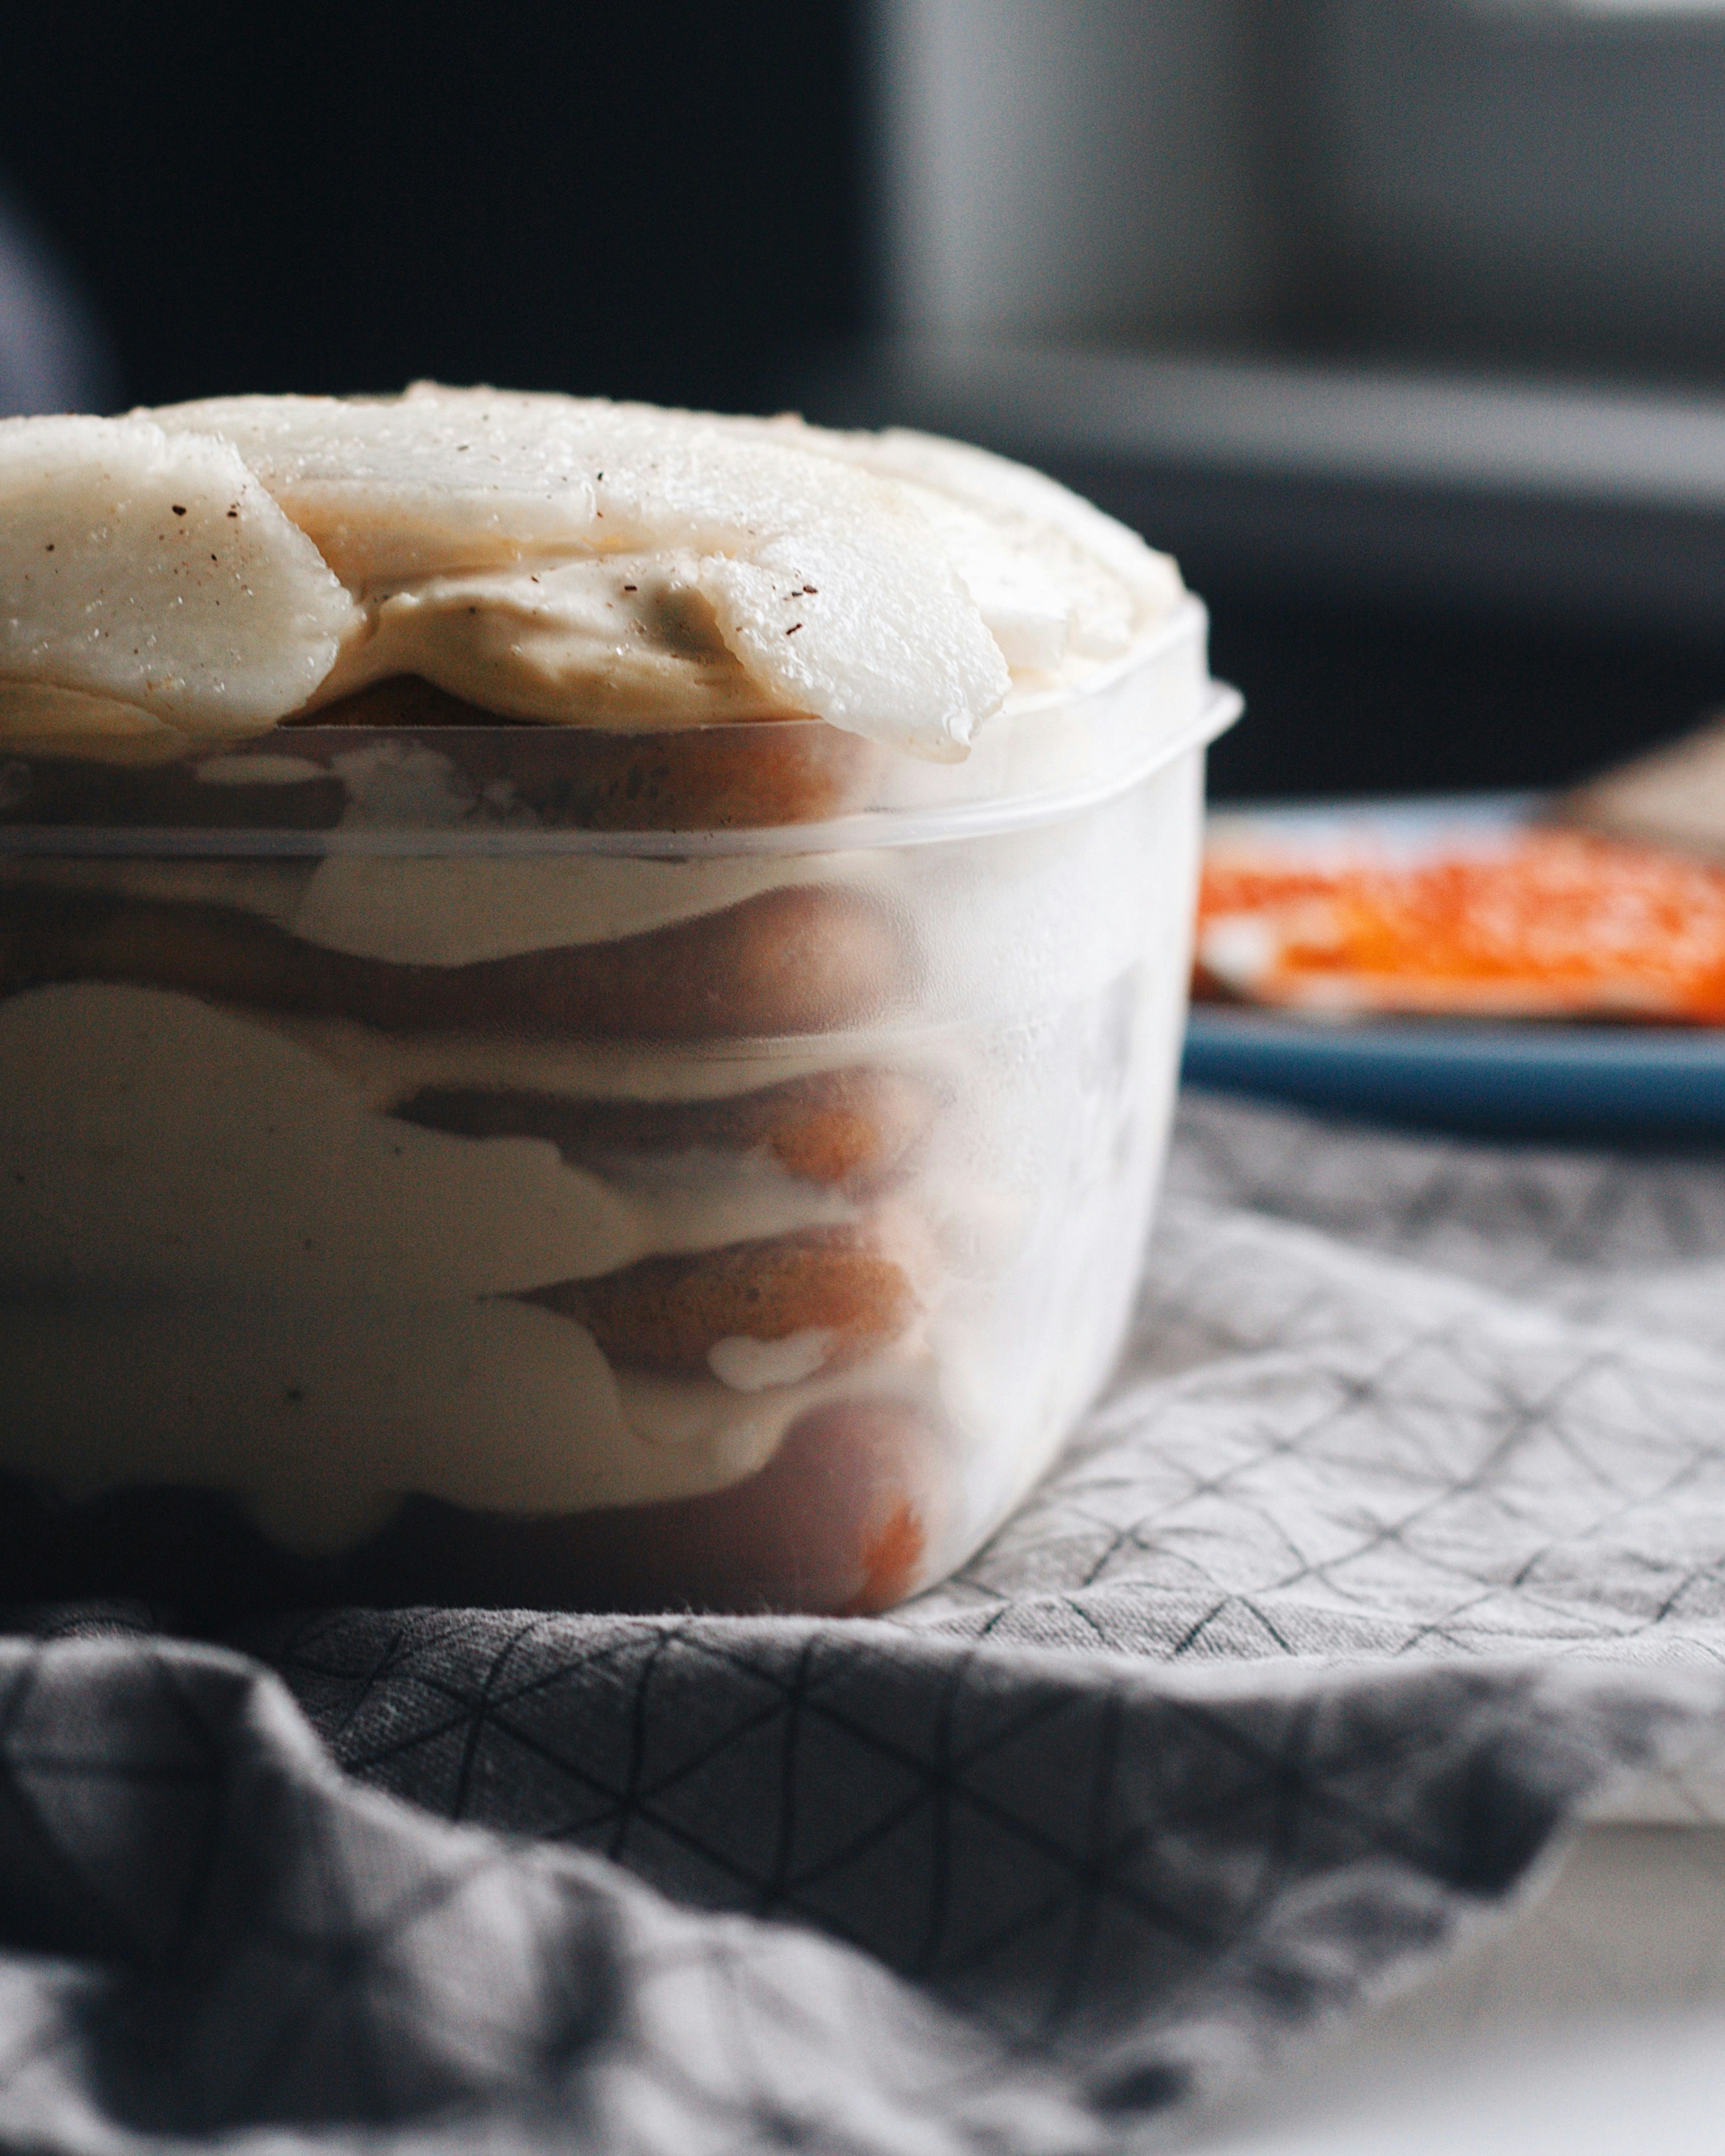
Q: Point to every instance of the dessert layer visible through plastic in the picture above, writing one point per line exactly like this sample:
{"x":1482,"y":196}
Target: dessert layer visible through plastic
{"x":572,"y":1163}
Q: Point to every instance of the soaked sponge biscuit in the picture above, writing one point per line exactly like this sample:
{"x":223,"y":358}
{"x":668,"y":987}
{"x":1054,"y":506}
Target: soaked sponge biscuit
{"x":804,"y":959}
{"x":846,"y":1130}
{"x":667,"y":1314}
{"x":753,"y":775}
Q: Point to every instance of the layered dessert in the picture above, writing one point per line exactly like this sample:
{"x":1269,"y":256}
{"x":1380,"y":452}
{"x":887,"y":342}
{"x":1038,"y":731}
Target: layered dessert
{"x":587,"y":997}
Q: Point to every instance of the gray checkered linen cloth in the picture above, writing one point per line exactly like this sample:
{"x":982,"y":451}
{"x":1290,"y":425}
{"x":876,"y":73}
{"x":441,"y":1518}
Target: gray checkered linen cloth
{"x":1401,"y":1534}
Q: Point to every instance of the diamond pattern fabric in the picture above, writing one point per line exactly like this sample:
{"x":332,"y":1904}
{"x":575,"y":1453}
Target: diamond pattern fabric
{"x":1392,"y":1396}
{"x":1400,"y":1535}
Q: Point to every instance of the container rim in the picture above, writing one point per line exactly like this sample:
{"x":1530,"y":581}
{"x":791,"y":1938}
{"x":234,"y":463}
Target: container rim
{"x":919,"y":825}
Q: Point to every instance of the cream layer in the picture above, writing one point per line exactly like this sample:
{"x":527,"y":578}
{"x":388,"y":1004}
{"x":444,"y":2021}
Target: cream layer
{"x":319,"y":1417}
{"x":623,"y":641}
{"x":218,"y":1266}
{"x":160,"y":1147}
{"x":386,"y":1068}
{"x":338,"y":1339}
{"x":1015,"y":922}
{"x":458,"y":911}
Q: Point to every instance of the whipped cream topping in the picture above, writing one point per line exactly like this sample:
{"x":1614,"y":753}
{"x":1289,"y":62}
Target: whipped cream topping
{"x":217,"y":567}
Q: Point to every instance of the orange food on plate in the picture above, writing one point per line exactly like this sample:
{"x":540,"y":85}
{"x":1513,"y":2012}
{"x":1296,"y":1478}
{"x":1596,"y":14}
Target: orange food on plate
{"x":1536,"y":922}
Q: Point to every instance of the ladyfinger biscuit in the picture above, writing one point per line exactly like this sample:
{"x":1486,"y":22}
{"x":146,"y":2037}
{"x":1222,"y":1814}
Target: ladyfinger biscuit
{"x":68,"y":790}
{"x":748,"y":776}
{"x":848,"y":1130}
{"x":667,"y":1314}
{"x":805,"y":959}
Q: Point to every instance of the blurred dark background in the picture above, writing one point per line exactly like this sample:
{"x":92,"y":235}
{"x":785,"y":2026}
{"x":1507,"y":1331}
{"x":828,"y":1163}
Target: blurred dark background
{"x":656,"y":200}
{"x":1401,"y":321}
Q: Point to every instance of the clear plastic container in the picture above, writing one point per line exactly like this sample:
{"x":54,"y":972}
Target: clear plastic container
{"x":521,"y":1166}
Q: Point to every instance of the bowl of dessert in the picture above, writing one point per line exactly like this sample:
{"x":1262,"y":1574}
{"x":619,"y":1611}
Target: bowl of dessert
{"x":589,"y":998}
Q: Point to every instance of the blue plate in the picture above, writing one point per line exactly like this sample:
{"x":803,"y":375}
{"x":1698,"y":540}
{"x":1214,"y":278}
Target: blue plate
{"x":1536,"y":1079}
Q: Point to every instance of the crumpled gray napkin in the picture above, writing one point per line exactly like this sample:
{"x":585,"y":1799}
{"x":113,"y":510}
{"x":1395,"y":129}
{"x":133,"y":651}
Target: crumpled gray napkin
{"x":987,"y":1875}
